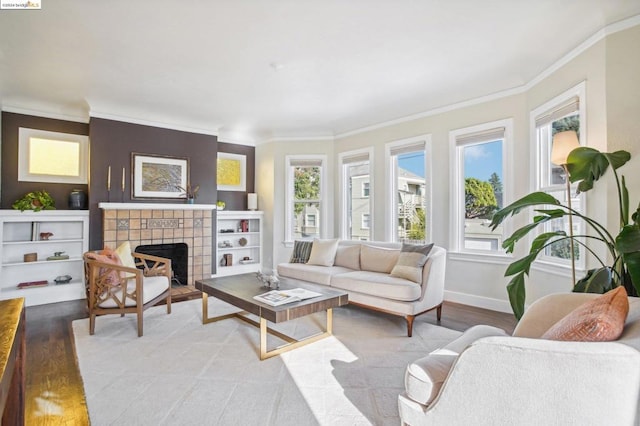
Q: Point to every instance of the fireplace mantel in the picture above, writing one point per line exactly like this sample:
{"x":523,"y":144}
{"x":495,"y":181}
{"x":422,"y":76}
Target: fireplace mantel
{"x":155,"y":206}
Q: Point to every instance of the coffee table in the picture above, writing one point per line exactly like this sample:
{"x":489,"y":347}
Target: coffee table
{"x":238,"y":290}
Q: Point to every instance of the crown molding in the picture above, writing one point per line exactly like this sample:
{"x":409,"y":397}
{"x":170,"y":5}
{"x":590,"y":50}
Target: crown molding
{"x":152,"y":123}
{"x":79,"y":118}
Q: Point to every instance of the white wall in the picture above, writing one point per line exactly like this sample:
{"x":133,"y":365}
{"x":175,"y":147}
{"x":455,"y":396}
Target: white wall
{"x":610,"y":69}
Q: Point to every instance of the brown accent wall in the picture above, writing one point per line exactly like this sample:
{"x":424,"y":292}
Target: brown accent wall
{"x":235,"y":200}
{"x":11,"y":188}
{"x":112,"y":143}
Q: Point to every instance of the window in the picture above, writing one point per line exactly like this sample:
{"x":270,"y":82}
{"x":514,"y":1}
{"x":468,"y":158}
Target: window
{"x":305,"y":197}
{"x":356,"y":198}
{"x":565,"y":112}
{"x":365,"y":189}
{"x":408,"y":216}
{"x":478,"y":185}
{"x":52,"y":157}
{"x":365,"y":221}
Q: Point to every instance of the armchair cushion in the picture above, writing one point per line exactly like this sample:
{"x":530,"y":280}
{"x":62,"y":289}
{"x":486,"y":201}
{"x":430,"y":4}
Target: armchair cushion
{"x":598,"y":320}
{"x":152,"y":288}
{"x":112,"y":276}
{"x":124,"y":253}
{"x":424,"y":377}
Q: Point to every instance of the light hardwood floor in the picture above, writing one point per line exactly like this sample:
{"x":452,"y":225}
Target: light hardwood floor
{"x":55,"y":394}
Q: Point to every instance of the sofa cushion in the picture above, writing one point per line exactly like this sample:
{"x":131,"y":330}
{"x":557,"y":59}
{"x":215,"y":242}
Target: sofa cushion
{"x":301,"y":251}
{"x":311,"y":273}
{"x":411,"y":261}
{"x":598,"y":320}
{"x":424,"y":377}
{"x":348,"y":256}
{"x":378,"y":259}
{"x":377,"y":284}
{"x":323,"y":252}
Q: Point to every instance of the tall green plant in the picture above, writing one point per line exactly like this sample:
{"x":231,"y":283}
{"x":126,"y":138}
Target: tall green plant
{"x":586,"y":166}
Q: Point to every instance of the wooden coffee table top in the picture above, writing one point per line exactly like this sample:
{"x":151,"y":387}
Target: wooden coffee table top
{"x":239,"y":290}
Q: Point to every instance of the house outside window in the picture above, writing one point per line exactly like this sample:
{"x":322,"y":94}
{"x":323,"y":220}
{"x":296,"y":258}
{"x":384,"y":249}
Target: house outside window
{"x":365,"y":222}
{"x":478,"y":185}
{"x":356,"y":198}
{"x":305,"y":197}
{"x":408,"y":215}
{"x":565,"y":112}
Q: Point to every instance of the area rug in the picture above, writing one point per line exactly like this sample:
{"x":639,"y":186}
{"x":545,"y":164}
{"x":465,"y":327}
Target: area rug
{"x":184,"y":373}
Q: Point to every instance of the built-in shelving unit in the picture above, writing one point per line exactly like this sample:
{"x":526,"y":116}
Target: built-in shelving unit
{"x":24,"y":252}
{"x":239,"y":242}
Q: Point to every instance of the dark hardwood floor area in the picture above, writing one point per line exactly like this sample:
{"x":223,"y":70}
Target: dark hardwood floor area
{"x":55,"y":394}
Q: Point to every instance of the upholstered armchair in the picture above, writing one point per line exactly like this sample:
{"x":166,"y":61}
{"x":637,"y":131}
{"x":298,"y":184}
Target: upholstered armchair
{"x":113,"y":288}
{"x":486,"y":377}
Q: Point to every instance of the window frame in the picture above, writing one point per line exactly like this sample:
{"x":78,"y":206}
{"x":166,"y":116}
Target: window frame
{"x":457,"y":194}
{"x":391,"y":211}
{"x":290,"y":161}
{"x":24,"y":175}
{"x":342,"y":181}
{"x":543,"y":261}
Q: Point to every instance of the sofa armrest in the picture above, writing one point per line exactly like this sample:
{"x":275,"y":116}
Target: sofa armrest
{"x":508,"y":380}
{"x":433,"y":275}
{"x":548,"y":310}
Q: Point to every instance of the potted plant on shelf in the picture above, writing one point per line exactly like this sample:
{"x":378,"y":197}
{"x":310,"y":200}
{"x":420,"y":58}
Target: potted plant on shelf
{"x":191,"y":193}
{"x":36,"y":201}
{"x":585,"y":166}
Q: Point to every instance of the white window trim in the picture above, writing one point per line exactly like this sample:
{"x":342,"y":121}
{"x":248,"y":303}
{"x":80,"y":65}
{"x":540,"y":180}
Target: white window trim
{"x":25,"y":136}
{"x":548,"y":263}
{"x":456,"y":227}
{"x":363,"y":184}
{"x":342,"y":179}
{"x":391,"y":211}
{"x":324,"y":210}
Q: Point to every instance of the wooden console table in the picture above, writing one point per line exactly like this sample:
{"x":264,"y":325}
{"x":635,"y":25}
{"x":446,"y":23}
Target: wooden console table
{"x":12,"y":361}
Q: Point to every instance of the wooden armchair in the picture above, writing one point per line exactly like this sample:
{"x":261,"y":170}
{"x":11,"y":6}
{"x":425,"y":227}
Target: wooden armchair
{"x":116,"y":289}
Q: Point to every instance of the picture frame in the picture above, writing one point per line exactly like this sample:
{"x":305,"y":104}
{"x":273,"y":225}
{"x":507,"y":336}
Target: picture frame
{"x":231,"y":172}
{"x":158,"y":176}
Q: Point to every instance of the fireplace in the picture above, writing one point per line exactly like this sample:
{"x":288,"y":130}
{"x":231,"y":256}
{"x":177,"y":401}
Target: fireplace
{"x":179,"y":255}
{"x":156,"y":224}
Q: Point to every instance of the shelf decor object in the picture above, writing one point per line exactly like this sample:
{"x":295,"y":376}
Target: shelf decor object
{"x":252,"y":201}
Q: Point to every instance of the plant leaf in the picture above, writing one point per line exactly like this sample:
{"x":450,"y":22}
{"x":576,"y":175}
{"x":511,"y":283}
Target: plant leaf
{"x":624,"y":208}
{"x":596,"y":281}
{"x":632,"y":261}
{"x":517,"y":294}
{"x":521,"y":265}
{"x":587,"y":165}
{"x":533,"y":199}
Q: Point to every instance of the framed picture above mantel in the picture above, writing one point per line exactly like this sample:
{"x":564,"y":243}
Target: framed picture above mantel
{"x":158,"y":176}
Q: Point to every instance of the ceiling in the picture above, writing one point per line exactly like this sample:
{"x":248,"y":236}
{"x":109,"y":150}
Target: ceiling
{"x":252,"y":70}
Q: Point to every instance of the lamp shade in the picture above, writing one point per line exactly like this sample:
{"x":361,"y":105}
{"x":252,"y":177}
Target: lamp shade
{"x":252,"y":201}
{"x":563,"y":144}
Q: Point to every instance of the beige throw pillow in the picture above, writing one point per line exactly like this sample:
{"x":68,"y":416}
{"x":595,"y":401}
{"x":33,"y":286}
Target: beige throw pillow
{"x":124,"y":253}
{"x":348,"y":257}
{"x":411,"y":261}
{"x":323,"y":252}
{"x":598,"y":320}
{"x":378,"y":259}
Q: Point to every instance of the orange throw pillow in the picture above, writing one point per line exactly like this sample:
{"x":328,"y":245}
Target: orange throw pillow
{"x":599,"y":320}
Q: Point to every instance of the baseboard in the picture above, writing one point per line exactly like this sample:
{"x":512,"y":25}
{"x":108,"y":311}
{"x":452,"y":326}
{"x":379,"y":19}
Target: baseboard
{"x":478,"y":301}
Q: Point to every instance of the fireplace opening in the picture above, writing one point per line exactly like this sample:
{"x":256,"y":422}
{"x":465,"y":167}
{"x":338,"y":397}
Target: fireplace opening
{"x":179,"y":255}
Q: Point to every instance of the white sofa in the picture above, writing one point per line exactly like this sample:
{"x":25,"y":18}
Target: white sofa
{"x":374,"y":289}
{"x":486,"y":377}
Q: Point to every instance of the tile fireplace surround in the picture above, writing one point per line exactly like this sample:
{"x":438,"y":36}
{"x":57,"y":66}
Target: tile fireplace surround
{"x":151,"y":223}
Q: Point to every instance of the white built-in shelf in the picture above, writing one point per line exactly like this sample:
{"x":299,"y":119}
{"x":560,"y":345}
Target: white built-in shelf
{"x":230,"y":219}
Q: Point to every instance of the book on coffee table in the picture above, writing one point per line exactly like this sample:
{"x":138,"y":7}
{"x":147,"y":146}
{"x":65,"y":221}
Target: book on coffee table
{"x":281,"y":297}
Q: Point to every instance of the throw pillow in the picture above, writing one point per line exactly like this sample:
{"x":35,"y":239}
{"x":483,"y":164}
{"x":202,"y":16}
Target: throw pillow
{"x":323,"y":252}
{"x":598,"y":320}
{"x":124,"y":253}
{"x":411,"y":261}
{"x":108,"y":256}
{"x":301,"y":251}
{"x":348,"y":257}
{"x":378,"y":259}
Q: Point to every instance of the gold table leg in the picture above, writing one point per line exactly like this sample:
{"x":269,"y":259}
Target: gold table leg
{"x":264,"y":353}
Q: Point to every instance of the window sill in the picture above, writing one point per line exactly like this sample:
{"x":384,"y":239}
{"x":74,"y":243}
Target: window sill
{"x":497,"y":258}
{"x":557,"y":269}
